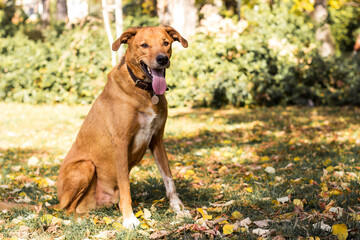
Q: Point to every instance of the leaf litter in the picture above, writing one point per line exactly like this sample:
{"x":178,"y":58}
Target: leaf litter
{"x":246,"y":173}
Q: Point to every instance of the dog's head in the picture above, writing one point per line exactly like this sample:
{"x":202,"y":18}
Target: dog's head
{"x":149,"y":52}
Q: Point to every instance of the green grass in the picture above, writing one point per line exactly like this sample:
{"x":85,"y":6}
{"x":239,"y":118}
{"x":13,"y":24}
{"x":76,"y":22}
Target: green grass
{"x":217,"y":157}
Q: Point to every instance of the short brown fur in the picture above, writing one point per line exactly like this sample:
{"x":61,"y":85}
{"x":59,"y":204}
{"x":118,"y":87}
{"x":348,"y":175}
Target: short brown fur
{"x":121,"y":125}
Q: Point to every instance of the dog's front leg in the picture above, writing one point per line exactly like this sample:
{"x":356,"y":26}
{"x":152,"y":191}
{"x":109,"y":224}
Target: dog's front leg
{"x":122,"y":167}
{"x":158,"y":150}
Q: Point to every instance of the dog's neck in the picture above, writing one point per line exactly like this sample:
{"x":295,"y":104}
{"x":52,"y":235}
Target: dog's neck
{"x":145,"y":85}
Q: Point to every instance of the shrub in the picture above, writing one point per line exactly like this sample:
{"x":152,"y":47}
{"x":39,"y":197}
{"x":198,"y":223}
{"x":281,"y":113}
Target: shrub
{"x":274,"y":61}
{"x":70,"y":68}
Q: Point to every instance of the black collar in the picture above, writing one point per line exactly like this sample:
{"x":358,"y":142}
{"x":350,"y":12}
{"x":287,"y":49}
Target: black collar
{"x":141,"y":83}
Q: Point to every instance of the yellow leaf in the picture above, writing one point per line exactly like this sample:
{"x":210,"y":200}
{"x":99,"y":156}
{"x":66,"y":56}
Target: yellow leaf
{"x":144,"y":226}
{"x":330,"y":168}
{"x":204,"y":214}
{"x":340,"y":231}
{"x":223,"y":222}
{"x":189,"y":173}
{"x":47,"y":219}
{"x":296,"y":159}
{"x":355,"y":216}
{"x":237,"y":215}
{"x":228,"y":229}
{"x":297,"y":202}
{"x":118,"y":226}
{"x":139,"y":213}
{"x":249,"y":189}
{"x":107,"y":220}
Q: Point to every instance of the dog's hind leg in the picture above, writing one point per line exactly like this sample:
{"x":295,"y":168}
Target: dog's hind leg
{"x":76,"y":183}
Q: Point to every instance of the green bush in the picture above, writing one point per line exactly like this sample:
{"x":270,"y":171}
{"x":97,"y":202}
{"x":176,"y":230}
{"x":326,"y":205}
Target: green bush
{"x":274,"y":61}
{"x":246,"y":70}
{"x":69,"y":68}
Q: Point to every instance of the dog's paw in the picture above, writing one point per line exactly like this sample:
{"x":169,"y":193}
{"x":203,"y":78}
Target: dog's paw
{"x":131,"y":222}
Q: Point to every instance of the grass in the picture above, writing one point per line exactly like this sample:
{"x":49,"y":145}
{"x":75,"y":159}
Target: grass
{"x":296,"y":167}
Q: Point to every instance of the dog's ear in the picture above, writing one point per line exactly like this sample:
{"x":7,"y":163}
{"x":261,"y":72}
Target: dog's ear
{"x":125,"y":37}
{"x":176,"y":36}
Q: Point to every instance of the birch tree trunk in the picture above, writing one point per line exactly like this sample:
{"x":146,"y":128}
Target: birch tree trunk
{"x":119,"y":24}
{"x":45,"y":16}
{"x":180,"y":14}
{"x":323,"y":32}
{"x":106,"y":7}
{"x":61,"y":10}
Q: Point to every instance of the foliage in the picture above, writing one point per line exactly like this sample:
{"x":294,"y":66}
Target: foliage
{"x":290,"y":172}
{"x":344,"y":21}
{"x":274,"y":61}
{"x":66,"y":68}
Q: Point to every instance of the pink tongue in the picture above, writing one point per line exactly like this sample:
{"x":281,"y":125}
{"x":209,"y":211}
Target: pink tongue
{"x":158,"y":83}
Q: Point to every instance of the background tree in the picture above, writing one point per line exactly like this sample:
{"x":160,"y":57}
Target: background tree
{"x":45,"y":16}
{"x":182,"y":15}
{"x":61,"y":10}
{"x":323,"y":32}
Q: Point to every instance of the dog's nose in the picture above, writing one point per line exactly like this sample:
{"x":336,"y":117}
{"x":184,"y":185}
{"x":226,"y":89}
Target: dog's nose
{"x":162,"y":59}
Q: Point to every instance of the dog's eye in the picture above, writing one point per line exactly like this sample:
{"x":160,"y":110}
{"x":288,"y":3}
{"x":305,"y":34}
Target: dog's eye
{"x":166,"y":44}
{"x":144,"y":45}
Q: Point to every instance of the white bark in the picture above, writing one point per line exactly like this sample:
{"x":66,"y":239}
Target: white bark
{"x":119,"y":24}
{"x":180,"y":14}
{"x":323,"y":33}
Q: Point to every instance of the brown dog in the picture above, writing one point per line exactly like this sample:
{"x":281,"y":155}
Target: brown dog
{"x":128,"y":117}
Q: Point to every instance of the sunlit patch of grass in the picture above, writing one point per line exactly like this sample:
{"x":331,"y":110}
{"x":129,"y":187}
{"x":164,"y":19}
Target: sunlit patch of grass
{"x":245,"y":160}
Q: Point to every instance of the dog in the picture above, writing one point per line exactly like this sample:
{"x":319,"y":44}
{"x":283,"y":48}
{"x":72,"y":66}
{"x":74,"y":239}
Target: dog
{"x":128,"y":117}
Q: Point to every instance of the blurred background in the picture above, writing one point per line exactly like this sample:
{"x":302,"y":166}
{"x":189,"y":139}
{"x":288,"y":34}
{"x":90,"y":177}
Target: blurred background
{"x":241,"y":52}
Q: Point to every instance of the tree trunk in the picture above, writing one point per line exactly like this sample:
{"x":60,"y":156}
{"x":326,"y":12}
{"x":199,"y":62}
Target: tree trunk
{"x":61,"y":10}
{"x":181,"y":15}
{"x":45,"y":16}
{"x":119,"y":24}
{"x":323,"y":32}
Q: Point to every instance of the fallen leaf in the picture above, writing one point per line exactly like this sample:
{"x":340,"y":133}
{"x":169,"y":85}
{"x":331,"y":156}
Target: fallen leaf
{"x":231,"y":202}
{"x":237,"y":215}
{"x":283,"y":199}
{"x":33,"y":161}
{"x":107,"y":220}
{"x":261,"y":232}
{"x":340,"y":231}
{"x":147,"y":213}
{"x":270,"y":170}
{"x":262,"y":223}
{"x":338,"y":211}
{"x":118,"y":226}
{"x":139,"y":213}
{"x":228,"y":229}
{"x":322,"y":226}
{"x":297,"y":202}
{"x":245,"y":223}
{"x":204,"y":214}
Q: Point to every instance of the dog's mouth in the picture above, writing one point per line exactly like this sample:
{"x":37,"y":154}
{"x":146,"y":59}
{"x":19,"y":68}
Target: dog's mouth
{"x":157,"y":77}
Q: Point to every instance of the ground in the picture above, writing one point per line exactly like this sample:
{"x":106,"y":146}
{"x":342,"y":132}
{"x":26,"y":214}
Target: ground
{"x":272,"y":173}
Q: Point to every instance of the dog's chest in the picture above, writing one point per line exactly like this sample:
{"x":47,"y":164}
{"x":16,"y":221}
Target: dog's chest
{"x":149,"y":124}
